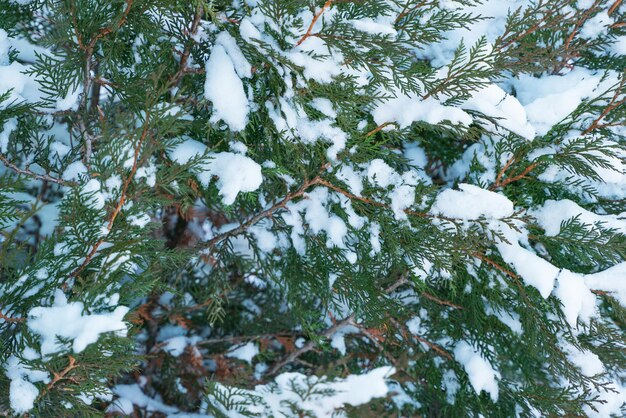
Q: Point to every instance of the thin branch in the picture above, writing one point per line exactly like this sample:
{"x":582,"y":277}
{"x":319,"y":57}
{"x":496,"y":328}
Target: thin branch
{"x":11,"y":319}
{"x":585,"y":16}
{"x":614,"y":7}
{"x":611,"y":106}
{"x":57,"y":377}
{"x":29,"y":173}
{"x":184,"y":56}
{"x":315,"y":18}
{"x":378,"y":129}
{"x":440,"y":301}
{"x":264,"y":214}
{"x":436,"y":348}
{"x":310,"y":345}
{"x":499,"y":178}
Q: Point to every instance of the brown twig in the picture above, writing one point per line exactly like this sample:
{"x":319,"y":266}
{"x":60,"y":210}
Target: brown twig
{"x":499,"y":182}
{"x":378,"y":129}
{"x":184,"y":56}
{"x":614,"y":7}
{"x":436,"y":348}
{"x":29,"y":173}
{"x":10,"y":319}
{"x":315,"y":18}
{"x":57,"y":377}
{"x":264,"y":214}
{"x":496,"y":265}
{"x":585,"y":16}
{"x":440,"y":301}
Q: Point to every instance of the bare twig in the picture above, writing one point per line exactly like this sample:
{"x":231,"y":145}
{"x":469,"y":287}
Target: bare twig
{"x":499,"y":178}
{"x":315,"y":18}
{"x":10,"y":319}
{"x":57,"y":377}
{"x":29,"y":173}
{"x":309,"y":345}
{"x":614,"y":7}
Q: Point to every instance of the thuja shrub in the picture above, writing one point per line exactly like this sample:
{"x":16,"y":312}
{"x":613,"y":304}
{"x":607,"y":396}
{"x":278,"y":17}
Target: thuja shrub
{"x":312,"y":208}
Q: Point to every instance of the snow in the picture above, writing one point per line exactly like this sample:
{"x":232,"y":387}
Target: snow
{"x":577,"y":299}
{"x":338,"y":339}
{"x":312,"y":55}
{"x":407,"y":109}
{"x":274,"y":399}
{"x":70,"y":101}
{"x":239,"y":61}
{"x":596,"y":25}
{"x":480,"y":373}
{"x":382,"y":26}
{"x":325,"y":106}
{"x":22,"y":395}
{"x":69,"y":320}
{"x":74,"y":171}
{"x":224,"y":89}
{"x":550,"y":98}
{"x":132,"y":394}
{"x":314,"y":210}
{"x":7,"y":128}
{"x":245,"y":352}
{"x":610,"y":280}
{"x":534,"y":270}
{"x":94,"y":197}
{"x":22,"y":391}
{"x":348,"y":175}
{"x":235,"y":173}
{"x":553,"y":213}
{"x":471,"y":202}
{"x":588,"y":362}
{"x":495,"y":102}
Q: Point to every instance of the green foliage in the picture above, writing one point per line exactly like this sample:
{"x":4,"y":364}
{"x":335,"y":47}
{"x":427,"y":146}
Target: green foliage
{"x":324,"y":279}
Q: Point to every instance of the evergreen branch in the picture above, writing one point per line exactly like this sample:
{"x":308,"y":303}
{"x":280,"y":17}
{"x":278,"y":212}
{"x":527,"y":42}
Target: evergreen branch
{"x":614,"y":103}
{"x":29,"y":173}
{"x":122,"y":199}
{"x":406,"y":10}
{"x":264,"y":214}
{"x":349,"y":320}
{"x":299,"y":193}
{"x":184,"y":57}
{"x":309,"y":345}
{"x":499,"y":47}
